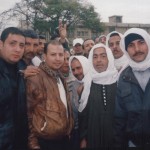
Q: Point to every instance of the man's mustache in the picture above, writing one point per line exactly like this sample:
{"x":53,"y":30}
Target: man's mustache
{"x":138,"y":53}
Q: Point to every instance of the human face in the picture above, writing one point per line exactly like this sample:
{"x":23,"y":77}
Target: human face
{"x":65,"y":67}
{"x":77,"y":69}
{"x":78,"y":49}
{"x":114,"y":45}
{"x":138,"y":50}
{"x":42,"y":42}
{"x":35,"y":45}
{"x":31,"y":46}
{"x":100,"y":60}
{"x":102,"y":39}
{"x":54,"y":57}
{"x":12,"y":49}
{"x":88,"y":44}
{"x":96,"y":40}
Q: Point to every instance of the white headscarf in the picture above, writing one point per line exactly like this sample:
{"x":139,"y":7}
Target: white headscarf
{"x":85,"y":66}
{"x":108,"y":36}
{"x":121,"y":62}
{"x":105,"y":78}
{"x":110,"y":75}
{"x":140,"y":66}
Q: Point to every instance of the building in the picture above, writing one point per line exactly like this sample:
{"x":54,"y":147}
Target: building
{"x":116,"y":24}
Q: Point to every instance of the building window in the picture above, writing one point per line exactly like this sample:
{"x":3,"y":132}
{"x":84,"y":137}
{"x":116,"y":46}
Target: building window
{"x":118,"y":19}
{"x":82,"y":33}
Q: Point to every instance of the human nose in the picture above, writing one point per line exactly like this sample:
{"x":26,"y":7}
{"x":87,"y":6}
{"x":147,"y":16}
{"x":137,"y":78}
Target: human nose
{"x":91,"y":46}
{"x":57,"y":57}
{"x":18,"y":48}
{"x":98,"y":59}
{"x":114,"y":46}
{"x":32,"y":48}
{"x":137,"y":48}
{"x":42,"y":46}
{"x":75,"y":72}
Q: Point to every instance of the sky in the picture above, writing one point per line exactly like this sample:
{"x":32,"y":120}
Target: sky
{"x":133,"y":11}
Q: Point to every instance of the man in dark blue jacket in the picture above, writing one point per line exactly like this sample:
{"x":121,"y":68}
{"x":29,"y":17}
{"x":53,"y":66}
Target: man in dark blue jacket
{"x":13,"y":115}
{"x":132,"y":113}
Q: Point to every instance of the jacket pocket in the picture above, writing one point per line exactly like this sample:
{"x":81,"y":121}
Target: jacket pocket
{"x":125,"y":93}
{"x":50,"y":125}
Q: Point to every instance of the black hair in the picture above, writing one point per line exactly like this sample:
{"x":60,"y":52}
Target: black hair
{"x":42,"y":37}
{"x":10,"y":30}
{"x":31,"y":34}
{"x":85,"y":41}
{"x":53,"y":42}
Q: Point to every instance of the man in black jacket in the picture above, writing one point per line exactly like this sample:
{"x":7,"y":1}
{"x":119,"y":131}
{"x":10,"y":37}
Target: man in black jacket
{"x":13,"y":115}
{"x":132,"y":114}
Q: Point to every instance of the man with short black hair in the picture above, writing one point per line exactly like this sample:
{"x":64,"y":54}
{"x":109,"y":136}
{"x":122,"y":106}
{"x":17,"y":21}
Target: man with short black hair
{"x":13,"y":115}
{"x":42,"y":42}
{"x":31,"y":48}
{"x":49,"y":111}
{"x":39,"y":54}
{"x":87,"y":46}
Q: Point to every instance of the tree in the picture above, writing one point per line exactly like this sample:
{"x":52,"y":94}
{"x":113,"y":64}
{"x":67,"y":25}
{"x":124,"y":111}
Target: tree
{"x":44,"y":15}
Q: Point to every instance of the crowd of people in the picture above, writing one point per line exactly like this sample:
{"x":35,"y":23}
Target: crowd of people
{"x":91,"y":96}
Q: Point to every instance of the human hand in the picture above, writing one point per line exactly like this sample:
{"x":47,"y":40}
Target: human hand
{"x":30,"y":71}
{"x":62,"y":30}
{"x":83,"y":143}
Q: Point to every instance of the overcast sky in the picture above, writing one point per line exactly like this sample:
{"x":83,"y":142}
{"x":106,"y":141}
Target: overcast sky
{"x":133,"y":11}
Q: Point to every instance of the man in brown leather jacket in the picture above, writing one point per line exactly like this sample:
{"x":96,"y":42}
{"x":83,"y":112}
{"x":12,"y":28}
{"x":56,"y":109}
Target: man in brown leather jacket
{"x":49,"y":108}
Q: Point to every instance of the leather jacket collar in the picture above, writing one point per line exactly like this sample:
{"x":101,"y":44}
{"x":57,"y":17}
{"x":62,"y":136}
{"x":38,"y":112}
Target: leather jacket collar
{"x":49,"y":71}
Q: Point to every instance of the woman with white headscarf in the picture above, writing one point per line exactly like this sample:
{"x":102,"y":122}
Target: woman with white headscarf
{"x":97,"y":101}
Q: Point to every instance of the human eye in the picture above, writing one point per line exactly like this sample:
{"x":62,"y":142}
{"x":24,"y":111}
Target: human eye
{"x":35,"y":45}
{"x":22,"y":45}
{"x":13,"y":43}
{"x":78,"y":68}
{"x":61,"y":54}
{"x":87,"y":45}
{"x":27,"y":43}
{"x":130,"y":45}
{"x":104,"y":55}
{"x":118,"y":43}
{"x":111,"y":45}
{"x":53,"y":54}
{"x":142,"y":41}
{"x":94,"y":56}
{"x":73,"y":70}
